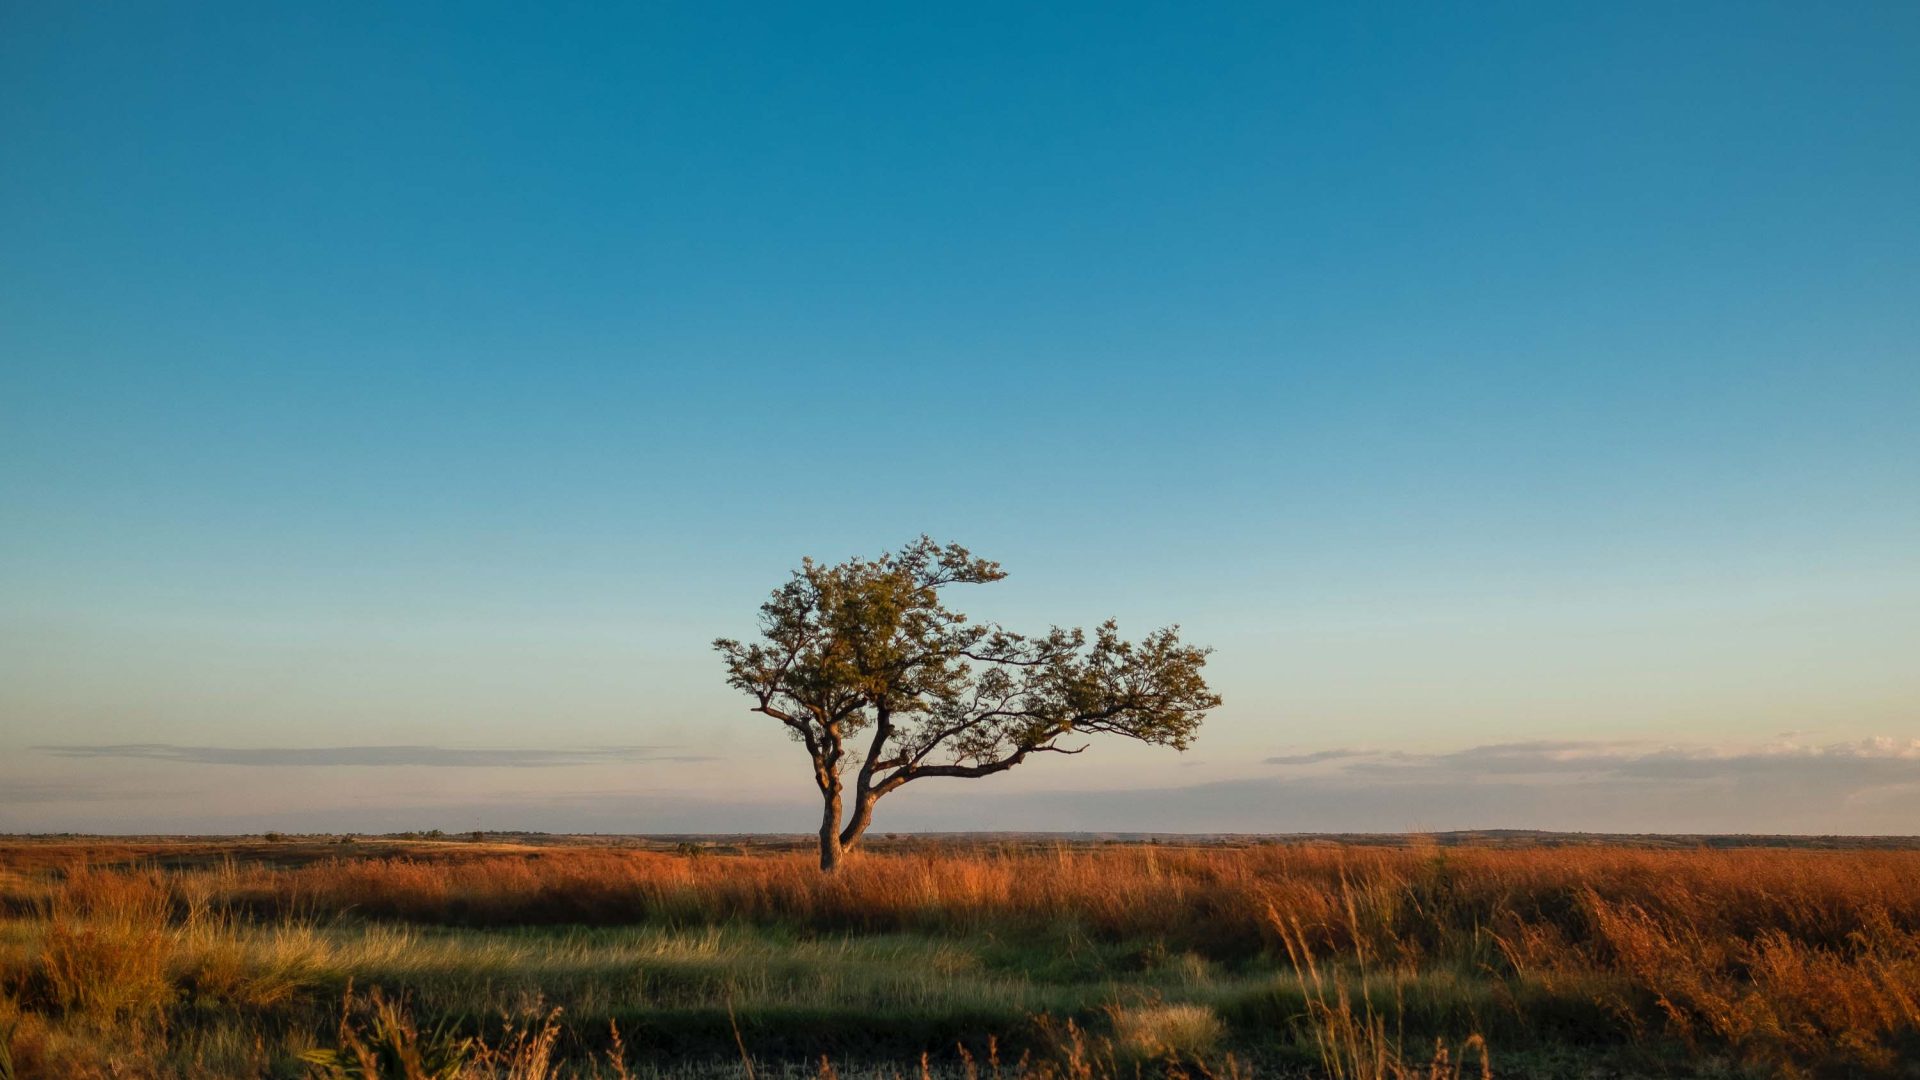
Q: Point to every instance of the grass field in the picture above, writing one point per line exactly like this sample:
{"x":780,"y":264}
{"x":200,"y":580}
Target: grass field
{"x":451,"y":958}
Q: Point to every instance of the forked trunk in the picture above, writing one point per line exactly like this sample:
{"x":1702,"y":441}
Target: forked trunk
{"x":857,"y":823}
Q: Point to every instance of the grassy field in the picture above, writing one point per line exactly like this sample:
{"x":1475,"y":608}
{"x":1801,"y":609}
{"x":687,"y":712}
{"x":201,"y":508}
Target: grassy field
{"x":469,"y":958}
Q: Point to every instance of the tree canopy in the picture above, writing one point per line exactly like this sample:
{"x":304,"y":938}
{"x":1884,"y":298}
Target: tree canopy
{"x":871,"y":671}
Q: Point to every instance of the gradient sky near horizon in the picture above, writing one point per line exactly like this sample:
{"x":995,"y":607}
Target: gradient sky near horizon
{"x":1523,"y":400}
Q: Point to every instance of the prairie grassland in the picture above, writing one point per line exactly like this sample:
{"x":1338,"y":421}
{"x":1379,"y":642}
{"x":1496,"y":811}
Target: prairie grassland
{"x":468,"y":960}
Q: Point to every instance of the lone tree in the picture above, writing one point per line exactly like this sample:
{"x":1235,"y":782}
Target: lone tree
{"x":867,"y":666}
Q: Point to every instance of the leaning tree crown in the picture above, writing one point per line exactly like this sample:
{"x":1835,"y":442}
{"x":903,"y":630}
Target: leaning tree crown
{"x":870,"y":670}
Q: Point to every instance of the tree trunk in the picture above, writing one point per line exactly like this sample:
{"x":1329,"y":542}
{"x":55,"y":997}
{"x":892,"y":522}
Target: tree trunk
{"x":830,"y":849}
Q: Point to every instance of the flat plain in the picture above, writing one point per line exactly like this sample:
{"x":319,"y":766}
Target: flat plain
{"x":529,"y":956}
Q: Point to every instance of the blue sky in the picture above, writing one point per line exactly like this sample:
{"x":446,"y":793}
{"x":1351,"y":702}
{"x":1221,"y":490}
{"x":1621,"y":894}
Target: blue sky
{"x":448,"y":378}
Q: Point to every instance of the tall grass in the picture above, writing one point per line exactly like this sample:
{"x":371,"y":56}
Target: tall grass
{"x":379,"y":1040}
{"x":1354,"y":1039}
{"x":1784,"y":960}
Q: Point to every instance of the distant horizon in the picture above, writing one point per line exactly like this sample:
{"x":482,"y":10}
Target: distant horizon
{"x":804,"y":837}
{"x":802,"y":840}
{"x":1596,"y":788}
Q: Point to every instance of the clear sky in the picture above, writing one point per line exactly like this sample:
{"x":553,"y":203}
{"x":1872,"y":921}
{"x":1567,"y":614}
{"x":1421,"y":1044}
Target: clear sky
{"x":1523,"y":399}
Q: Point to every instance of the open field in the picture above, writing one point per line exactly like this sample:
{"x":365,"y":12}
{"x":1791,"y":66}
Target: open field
{"x":291,"y":957}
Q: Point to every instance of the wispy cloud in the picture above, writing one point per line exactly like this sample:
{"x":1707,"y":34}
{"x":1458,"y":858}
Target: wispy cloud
{"x":1865,"y":761}
{"x":432,"y":756}
{"x":1316,"y":757}
{"x":1864,"y":786}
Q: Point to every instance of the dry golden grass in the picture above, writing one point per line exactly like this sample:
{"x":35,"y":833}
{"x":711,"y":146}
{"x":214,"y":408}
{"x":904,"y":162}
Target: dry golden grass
{"x":1159,"y":1032}
{"x":1786,"y":960}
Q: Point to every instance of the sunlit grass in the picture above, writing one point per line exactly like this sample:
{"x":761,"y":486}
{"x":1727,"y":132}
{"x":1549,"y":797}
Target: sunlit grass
{"x":1781,"y":960}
